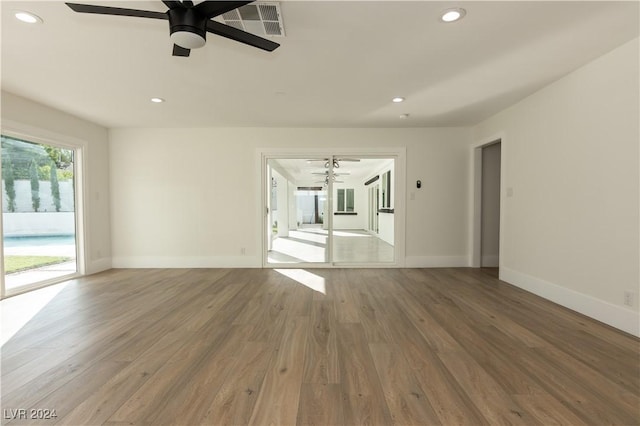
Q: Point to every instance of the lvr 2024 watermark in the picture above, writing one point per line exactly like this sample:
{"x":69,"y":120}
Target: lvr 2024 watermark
{"x":29,"y":414}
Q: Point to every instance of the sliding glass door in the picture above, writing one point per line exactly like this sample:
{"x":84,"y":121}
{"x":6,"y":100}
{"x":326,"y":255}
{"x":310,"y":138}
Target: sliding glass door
{"x":296,"y":212}
{"x":38,"y":214}
{"x":320,"y":210}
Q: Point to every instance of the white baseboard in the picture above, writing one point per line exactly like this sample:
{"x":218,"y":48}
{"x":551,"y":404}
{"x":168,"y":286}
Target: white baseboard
{"x":619,"y":317}
{"x":256,"y":262}
{"x":187,"y":262}
{"x":436,"y":261}
{"x":98,"y":266}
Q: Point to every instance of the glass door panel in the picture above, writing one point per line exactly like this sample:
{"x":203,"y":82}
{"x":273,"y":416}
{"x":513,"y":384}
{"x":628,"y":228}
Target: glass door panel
{"x":297,"y":206}
{"x":358,"y":235}
{"x":38,"y":212}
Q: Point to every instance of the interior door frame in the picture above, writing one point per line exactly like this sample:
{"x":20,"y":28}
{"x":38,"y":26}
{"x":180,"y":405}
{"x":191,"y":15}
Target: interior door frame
{"x":399,"y":186}
{"x":476,"y":193}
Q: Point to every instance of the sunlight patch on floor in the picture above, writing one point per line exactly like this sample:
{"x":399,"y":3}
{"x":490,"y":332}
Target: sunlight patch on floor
{"x":351,"y":234}
{"x":16,"y":311}
{"x":306,"y":278}
{"x":298,"y":250}
{"x":315,"y":237}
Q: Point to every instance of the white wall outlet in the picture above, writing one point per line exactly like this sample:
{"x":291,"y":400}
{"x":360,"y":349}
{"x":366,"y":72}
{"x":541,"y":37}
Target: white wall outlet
{"x":243,"y":251}
{"x":630,"y":299}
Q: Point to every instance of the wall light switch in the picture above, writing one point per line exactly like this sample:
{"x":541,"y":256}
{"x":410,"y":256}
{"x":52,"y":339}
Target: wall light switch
{"x":509,"y":192}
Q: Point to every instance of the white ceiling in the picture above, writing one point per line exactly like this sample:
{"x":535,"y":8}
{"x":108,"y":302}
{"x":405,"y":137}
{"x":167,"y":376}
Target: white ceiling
{"x":339,"y":65}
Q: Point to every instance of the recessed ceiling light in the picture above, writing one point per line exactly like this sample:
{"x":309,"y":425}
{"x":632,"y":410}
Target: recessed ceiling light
{"x":453,"y":15}
{"x":27,"y":17}
{"x":398,"y":99}
{"x":157,"y":100}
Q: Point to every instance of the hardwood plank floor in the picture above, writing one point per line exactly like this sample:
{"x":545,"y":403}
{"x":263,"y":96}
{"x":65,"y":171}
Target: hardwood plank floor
{"x":255,"y":346}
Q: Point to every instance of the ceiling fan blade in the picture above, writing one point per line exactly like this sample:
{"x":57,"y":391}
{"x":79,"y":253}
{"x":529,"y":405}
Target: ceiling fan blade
{"x":241,"y":36}
{"x":173,"y":4}
{"x":212,"y":9}
{"x":180,"y":51}
{"x":106,"y":10}
{"x":327,"y":173}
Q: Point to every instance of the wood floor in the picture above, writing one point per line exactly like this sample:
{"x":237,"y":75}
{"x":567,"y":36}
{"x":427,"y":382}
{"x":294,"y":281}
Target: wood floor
{"x":253,"y":346}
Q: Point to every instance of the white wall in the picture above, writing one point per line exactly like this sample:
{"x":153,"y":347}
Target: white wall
{"x":33,"y":121}
{"x":437,"y":202}
{"x":386,"y":227}
{"x":188,"y":197}
{"x":571,"y":226}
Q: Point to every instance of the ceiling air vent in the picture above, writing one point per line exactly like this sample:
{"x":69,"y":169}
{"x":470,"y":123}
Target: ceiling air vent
{"x":259,"y":18}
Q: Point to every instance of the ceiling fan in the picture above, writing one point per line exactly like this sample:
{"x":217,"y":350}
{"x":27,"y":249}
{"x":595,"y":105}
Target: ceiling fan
{"x":326,"y":173}
{"x":333,"y":177}
{"x":336,"y":161}
{"x":188,"y":22}
{"x":326,"y":181}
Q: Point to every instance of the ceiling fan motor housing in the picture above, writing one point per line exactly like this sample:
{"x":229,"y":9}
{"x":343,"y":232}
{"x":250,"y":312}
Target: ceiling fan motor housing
{"x":188,"y":27}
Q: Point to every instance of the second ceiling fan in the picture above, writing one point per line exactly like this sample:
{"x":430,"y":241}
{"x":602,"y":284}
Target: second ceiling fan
{"x":188,"y":22}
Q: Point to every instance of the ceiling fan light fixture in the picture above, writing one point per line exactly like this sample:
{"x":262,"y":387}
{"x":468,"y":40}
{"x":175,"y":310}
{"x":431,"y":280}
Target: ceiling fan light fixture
{"x":187,"y":39}
{"x":453,"y":15}
{"x":188,"y":28}
{"x":27,"y":17}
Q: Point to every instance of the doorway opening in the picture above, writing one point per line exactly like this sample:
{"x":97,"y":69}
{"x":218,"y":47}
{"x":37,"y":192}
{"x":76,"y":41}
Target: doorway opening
{"x":329,"y":210}
{"x":487,"y":205}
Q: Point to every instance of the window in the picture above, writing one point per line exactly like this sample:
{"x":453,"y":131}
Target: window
{"x":346,"y":200}
{"x":350,"y":200}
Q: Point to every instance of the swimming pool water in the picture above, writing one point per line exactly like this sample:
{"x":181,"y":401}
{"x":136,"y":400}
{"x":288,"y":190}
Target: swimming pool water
{"x":40,"y":240}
